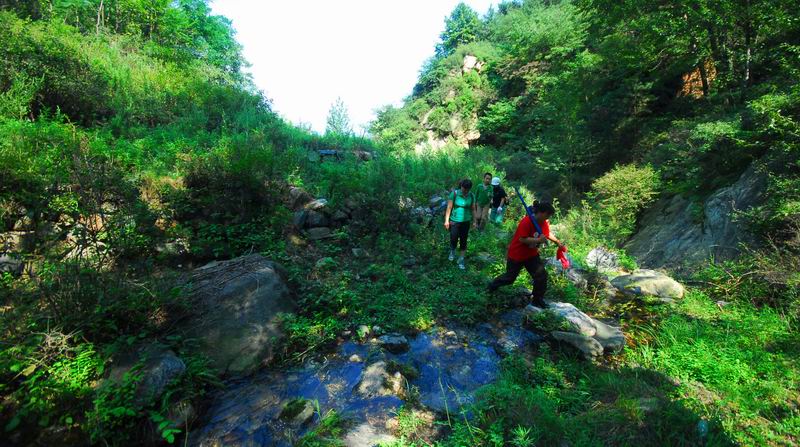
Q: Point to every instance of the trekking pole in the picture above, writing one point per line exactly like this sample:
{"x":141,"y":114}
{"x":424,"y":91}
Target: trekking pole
{"x":528,"y":211}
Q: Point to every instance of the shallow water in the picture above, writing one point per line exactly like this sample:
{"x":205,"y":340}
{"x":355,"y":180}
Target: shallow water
{"x":452,"y":365}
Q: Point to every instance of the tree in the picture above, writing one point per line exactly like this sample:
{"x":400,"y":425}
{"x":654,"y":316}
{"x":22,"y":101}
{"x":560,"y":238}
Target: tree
{"x":461,"y":27}
{"x":338,"y":119}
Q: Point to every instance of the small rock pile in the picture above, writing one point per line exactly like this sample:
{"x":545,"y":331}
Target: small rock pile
{"x":315,"y":216}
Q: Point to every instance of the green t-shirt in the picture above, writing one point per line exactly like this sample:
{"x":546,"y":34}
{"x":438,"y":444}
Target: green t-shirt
{"x":462,"y":206}
{"x":484,"y":194}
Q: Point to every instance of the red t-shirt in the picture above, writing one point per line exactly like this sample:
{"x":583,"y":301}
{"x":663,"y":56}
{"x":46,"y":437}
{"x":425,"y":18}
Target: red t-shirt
{"x":517,"y":251}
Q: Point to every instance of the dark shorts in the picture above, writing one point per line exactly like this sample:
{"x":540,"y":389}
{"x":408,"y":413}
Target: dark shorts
{"x":459,"y":231}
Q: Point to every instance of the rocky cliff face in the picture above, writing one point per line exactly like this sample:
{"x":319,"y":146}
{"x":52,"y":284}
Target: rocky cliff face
{"x":671,"y":235}
{"x":460,"y":129}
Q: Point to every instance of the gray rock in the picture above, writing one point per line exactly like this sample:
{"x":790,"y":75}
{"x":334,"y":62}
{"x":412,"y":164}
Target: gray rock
{"x":11,"y":264}
{"x":590,"y":347}
{"x":316,"y":234}
{"x":315,"y":219}
{"x":394,"y":343}
{"x":531,"y":310}
{"x":579,"y":321}
{"x":409,"y":262}
{"x":298,"y":197}
{"x":377,"y":381}
{"x":611,"y":338}
{"x":316,"y":205}
{"x":159,"y":368}
{"x":602,"y":259}
{"x":235,"y":307}
{"x":649,"y":283}
{"x":671,"y":234}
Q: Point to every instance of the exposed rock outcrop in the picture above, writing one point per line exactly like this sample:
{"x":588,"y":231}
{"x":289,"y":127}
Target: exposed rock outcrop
{"x":670,"y":234}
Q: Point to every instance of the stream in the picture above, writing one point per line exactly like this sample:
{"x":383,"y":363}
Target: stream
{"x":450,"y":364}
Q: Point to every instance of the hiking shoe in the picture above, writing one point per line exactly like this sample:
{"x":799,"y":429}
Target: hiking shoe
{"x":452,"y":256}
{"x":461,"y":264}
{"x":539,"y":303}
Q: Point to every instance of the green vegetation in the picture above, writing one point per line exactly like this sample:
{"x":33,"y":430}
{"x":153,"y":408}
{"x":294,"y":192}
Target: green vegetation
{"x":133,"y":148}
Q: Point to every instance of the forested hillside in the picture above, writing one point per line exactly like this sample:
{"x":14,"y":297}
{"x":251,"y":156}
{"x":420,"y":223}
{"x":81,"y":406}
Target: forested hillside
{"x":568,"y":90}
{"x":178,"y":264}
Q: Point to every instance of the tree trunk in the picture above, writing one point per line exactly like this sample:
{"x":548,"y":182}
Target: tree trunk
{"x":748,"y":42}
{"x":100,"y":19}
{"x":703,"y":77}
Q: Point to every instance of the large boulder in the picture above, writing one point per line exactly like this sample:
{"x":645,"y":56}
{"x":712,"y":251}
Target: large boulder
{"x":592,"y":337}
{"x":671,"y":234}
{"x":649,"y":283}
{"x":235,"y":307}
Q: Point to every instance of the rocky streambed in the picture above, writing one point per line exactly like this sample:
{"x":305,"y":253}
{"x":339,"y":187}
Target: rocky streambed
{"x":365,"y":381}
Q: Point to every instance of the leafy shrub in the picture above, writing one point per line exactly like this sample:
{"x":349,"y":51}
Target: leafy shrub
{"x":118,"y":416}
{"x":620,"y":195}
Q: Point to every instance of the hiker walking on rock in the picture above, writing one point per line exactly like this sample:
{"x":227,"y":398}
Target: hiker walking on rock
{"x":461,"y":207}
{"x":523,"y":252}
{"x":499,"y":201}
{"x":483,"y":196}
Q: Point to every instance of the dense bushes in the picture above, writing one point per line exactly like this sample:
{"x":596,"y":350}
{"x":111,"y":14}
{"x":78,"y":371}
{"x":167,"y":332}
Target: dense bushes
{"x":621,"y":194}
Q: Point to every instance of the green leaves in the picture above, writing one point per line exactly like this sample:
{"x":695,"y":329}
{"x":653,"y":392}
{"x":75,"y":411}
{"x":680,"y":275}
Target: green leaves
{"x":461,"y":27}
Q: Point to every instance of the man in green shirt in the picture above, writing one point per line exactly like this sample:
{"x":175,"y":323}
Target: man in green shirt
{"x":483,"y":197}
{"x":461,"y":207}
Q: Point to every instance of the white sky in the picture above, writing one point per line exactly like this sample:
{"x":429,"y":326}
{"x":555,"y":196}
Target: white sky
{"x":305,"y":54}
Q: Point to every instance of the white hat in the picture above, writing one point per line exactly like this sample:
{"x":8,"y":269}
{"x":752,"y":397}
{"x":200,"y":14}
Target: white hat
{"x":496,"y":181}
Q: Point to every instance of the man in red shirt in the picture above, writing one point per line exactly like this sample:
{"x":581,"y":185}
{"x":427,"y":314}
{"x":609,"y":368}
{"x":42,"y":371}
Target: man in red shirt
{"x":523,"y":252}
